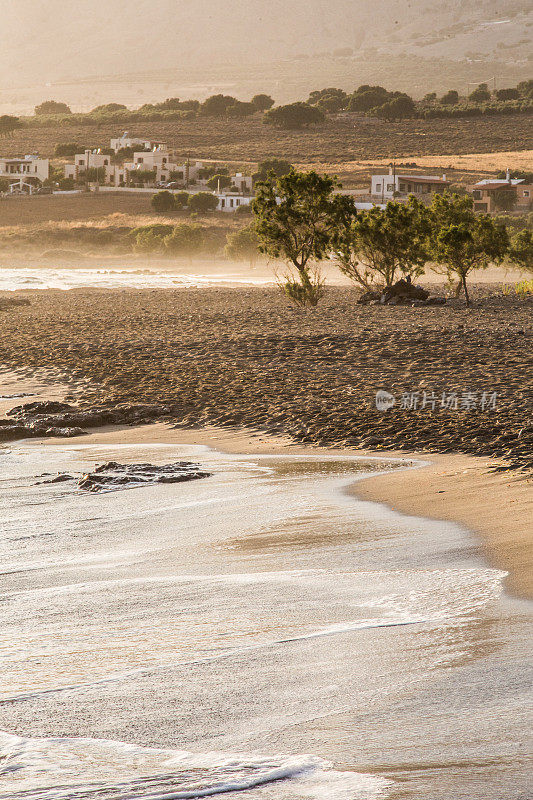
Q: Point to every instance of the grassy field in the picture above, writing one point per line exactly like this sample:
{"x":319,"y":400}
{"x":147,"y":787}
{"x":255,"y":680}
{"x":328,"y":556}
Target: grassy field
{"x":345,"y":138}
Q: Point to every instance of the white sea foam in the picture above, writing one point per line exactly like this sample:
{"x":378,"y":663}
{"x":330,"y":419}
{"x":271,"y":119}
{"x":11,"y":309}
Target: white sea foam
{"x":80,"y":278}
{"x":63,"y":768}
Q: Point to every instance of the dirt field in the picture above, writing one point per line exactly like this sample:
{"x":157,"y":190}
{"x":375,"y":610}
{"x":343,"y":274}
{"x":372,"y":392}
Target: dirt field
{"x":344,"y":138}
{"x":21,"y":210}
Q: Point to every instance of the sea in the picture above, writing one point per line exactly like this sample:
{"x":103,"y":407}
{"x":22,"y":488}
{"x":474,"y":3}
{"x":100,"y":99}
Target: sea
{"x":258,"y":634}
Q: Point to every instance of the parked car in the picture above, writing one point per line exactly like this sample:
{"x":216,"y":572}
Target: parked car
{"x":173,"y":185}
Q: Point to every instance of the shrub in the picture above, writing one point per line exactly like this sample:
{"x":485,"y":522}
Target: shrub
{"x":262,"y":102}
{"x":203,"y":202}
{"x":163,"y":202}
{"x":451,"y":98}
{"x":293,"y":115}
{"x":50,"y":107}
{"x":69,"y":149}
{"x":185,"y":240}
{"x":243,"y":245}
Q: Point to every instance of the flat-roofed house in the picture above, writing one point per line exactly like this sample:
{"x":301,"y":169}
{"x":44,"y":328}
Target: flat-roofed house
{"x":386,"y":187}
{"x":24,"y":173}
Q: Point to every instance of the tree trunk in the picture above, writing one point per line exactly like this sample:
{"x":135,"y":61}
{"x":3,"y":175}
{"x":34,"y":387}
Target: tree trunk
{"x":465,"y":290}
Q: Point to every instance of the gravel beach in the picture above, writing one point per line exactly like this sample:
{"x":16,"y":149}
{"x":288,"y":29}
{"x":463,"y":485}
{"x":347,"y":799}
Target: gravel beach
{"x":461,"y":379}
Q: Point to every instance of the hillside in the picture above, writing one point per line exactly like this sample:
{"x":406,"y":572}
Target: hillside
{"x":162,"y":46}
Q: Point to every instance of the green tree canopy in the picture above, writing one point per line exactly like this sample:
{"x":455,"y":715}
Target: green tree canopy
{"x":243,"y":245}
{"x":293,"y":115}
{"x":163,"y":202}
{"x":481,"y":94}
{"x":262,"y":102}
{"x":367,"y":97}
{"x":380,"y":245}
{"x":296,"y":216}
{"x":521,"y":250}
{"x":462,"y":241}
{"x":217,"y":105}
{"x":505,"y":199}
{"x":276,"y":165}
{"x":218,"y":182}
{"x":240,"y":109}
{"x":451,"y":98}
{"x":51,"y":107}
{"x":109,"y":108}
{"x":399,"y":107}
{"x":185,"y":240}
{"x":203,"y":202}
{"x":507,"y":94}
{"x":8,"y":124}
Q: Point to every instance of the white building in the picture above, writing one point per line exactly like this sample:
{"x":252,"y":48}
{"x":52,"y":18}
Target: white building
{"x":386,"y":187}
{"x":24,"y":173}
{"x":128,"y":141}
{"x":109,"y":173}
{"x":231,"y":201}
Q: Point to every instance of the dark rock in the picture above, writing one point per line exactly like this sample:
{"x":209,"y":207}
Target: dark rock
{"x":436,"y":301}
{"x":367,"y":297}
{"x":58,"y":479}
{"x":39,"y":407}
{"x":113,"y":475}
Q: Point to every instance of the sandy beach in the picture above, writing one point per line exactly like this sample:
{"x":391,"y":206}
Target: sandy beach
{"x":243,"y":370}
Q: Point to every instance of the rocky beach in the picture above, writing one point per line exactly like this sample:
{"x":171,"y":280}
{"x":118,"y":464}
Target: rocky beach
{"x":460,"y":379}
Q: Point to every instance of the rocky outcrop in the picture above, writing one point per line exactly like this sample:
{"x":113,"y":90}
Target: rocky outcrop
{"x":402,"y":293}
{"x":45,"y":419}
{"x":113,"y":475}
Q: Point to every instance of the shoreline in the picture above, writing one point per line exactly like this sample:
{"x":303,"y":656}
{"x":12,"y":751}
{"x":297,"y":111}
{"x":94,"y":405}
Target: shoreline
{"x":496,"y":506}
{"x":493,"y":506}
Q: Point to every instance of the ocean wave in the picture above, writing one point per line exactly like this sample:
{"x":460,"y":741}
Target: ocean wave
{"x":63,"y":768}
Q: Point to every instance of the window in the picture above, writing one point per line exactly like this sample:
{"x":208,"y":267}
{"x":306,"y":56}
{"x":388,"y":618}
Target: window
{"x":402,"y":187}
{"x":140,"y":160}
{"x":390,"y":187}
{"x":81,"y":162}
{"x":526,"y":192}
{"x":378,"y":187}
{"x":477,"y":194}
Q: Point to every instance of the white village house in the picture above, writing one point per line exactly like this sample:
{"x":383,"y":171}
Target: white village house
{"x":386,"y":187}
{"x":25,"y":173}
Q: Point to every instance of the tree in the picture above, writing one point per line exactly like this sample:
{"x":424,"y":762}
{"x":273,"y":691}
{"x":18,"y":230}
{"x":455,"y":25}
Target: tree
{"x":481,"y":94}
{"x":50,"y":107}
{"x":293,"y":115}
{"x":217,"y":105}
{"x":296,"y":216}
{"x":93,"y":175}
{"x":505,"y":199}
{"x":400,"y":107}
{"x":276,"y":165}
{"x":163,"y":202}
{"x":521,"y":250}
{"x":507,"y":94}
{"x":262,"y":102}
{"x":142,"y":176}
{"x":8,"y":124}
{"x":430,"y":97}
{"x":367,"y":97}
{"x":380,"y":244}
{"x":240,"y":109}
{"x":185,"y":240}
{"x":526,"y":88}
{"x":243,"y":245}
{"x":219,"y":182}
{"x":203,"y":202}
{"x":462,"y":241}
{"x":451,"y":98}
